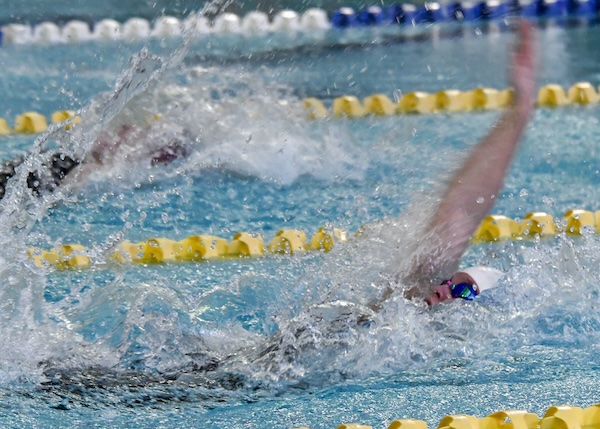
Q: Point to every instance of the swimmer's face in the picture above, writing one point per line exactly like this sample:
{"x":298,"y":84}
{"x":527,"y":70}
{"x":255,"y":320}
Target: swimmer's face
{"x":442,"y":293}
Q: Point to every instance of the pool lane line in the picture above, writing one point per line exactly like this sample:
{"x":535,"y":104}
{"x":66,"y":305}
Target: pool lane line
{"x":288,"y":242}
{"x":257,"y":23}
{"x":447,"y":101}
{"x":444,"y":101}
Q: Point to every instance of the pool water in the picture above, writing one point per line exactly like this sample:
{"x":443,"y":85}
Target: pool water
{"x":273,"y":341}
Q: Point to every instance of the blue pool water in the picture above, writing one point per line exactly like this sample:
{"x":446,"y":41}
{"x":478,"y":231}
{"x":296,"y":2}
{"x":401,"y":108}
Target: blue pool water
{"x":270,"y":342}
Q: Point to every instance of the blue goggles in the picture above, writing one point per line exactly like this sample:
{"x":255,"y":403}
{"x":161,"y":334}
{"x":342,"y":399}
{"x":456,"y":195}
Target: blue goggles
{"x":464,"y":291}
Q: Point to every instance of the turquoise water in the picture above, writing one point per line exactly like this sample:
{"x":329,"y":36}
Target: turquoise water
{"x":272,"y":342}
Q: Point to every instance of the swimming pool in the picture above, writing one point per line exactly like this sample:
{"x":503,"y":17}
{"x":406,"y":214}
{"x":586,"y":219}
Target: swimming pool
{"x":125,"y":345}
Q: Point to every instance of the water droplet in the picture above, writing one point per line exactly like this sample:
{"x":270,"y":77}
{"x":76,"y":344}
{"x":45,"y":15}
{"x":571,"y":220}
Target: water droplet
{"x":480,"y":200}
{"x":549,"y":201}
{"x":523,"y":193}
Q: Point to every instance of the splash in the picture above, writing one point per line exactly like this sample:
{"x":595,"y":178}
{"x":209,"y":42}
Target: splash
{"x":229,"y":121}
{"x":28,"y":323}
{"x":229,"y":330}
{"x":21,"y":293}
{"x":121,"y":325}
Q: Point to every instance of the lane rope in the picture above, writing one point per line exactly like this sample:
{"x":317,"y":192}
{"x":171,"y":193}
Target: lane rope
{"x":258,"y":23}
{"x":448,"y":101}
{"x":195,"y":248}
{"x":555,"y":417}
{"x":444,"y":101}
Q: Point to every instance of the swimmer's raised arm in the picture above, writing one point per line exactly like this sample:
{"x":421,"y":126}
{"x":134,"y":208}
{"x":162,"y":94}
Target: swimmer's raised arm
{"x":476,"y":184}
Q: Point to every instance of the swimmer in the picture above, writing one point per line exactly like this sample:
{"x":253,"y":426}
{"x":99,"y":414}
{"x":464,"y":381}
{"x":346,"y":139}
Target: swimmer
{"x":470,"y":196}
{"x":472,"y":193}
{"x":58,"y":167}
{"x":135,"y":144}
{"x":465,"y":202}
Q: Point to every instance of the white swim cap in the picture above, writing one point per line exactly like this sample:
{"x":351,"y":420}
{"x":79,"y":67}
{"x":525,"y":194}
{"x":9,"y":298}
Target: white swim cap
{"x":485,"y":277}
